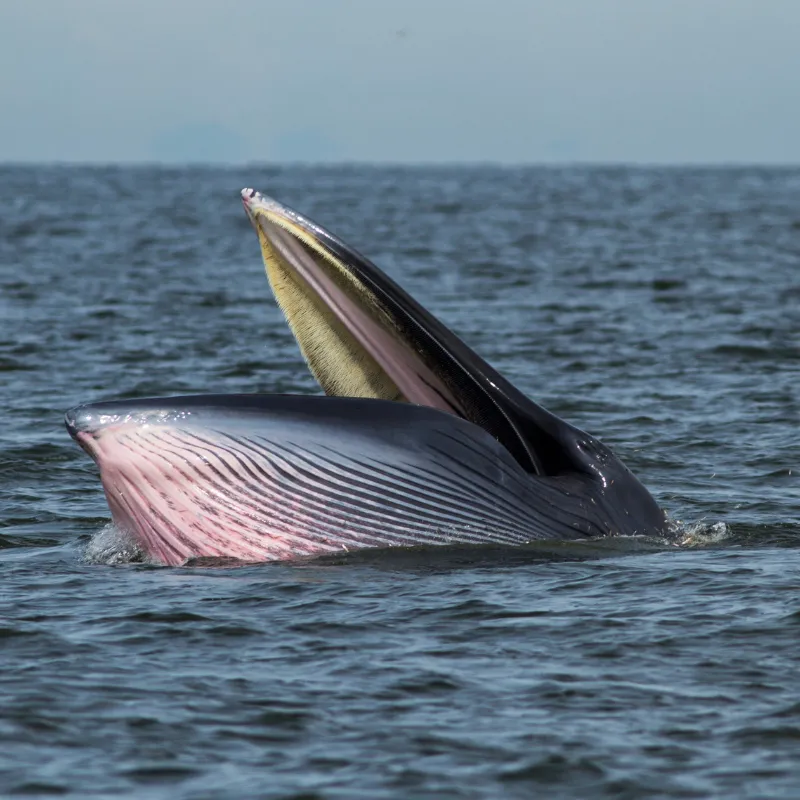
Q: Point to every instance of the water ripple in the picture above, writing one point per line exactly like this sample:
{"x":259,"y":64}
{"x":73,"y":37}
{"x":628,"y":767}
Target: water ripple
{"x":655,"y":307}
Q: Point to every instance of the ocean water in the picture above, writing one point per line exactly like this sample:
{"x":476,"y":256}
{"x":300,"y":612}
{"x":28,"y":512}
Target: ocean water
{"x":659,"y":309}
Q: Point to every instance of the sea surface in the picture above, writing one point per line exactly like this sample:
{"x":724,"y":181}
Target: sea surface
{"x":659,"y":309}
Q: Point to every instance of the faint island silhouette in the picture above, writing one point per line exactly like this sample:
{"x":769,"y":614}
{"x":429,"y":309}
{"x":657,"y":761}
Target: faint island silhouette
{"x":213,"y":143}
{"x":199,"y":143}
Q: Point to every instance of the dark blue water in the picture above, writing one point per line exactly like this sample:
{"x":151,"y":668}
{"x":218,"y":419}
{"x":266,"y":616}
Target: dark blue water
{"x":658,"y":309}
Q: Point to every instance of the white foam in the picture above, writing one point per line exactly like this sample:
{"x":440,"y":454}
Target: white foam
{"x":112,"y":545}
{"x":700,"y":533}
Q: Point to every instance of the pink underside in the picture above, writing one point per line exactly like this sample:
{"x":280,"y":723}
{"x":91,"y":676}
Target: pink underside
{"x":152,"y":495}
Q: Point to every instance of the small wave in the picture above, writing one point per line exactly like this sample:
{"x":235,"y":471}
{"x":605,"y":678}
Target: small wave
{"x":699,"y":534}
{"x":112,"y":545}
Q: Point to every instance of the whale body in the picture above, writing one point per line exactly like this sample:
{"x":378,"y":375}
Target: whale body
{"x":417,"y":441}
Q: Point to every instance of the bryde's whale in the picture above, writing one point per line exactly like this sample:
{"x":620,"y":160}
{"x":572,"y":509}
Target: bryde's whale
{"x":418,"y":441}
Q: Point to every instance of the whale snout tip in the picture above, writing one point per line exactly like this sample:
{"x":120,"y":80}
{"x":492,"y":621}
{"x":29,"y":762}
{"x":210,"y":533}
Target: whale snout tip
{"x":250,"y":197}
{"x":255,"y":202}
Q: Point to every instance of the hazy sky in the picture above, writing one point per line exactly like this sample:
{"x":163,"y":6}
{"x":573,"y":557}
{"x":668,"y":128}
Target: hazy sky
{"x":400,"y":80}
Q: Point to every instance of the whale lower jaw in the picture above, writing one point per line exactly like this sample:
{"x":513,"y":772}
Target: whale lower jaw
{"x":272,"y":477}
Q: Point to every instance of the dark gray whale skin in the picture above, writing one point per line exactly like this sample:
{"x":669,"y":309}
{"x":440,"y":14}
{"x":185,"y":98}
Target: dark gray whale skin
{"x":278,"y":476}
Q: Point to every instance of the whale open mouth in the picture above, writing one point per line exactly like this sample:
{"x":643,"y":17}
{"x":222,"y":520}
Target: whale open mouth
{"x":419,"y":442}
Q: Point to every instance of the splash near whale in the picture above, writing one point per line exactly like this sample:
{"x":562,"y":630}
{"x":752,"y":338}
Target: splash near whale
{"x":418,"y":441}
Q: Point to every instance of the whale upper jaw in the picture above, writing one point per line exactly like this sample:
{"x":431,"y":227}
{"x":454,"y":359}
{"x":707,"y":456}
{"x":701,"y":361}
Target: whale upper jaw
{"x":403,"y":352}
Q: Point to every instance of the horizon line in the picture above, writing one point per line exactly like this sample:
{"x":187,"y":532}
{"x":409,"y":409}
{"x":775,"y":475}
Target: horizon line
{"x":486,"y":163}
